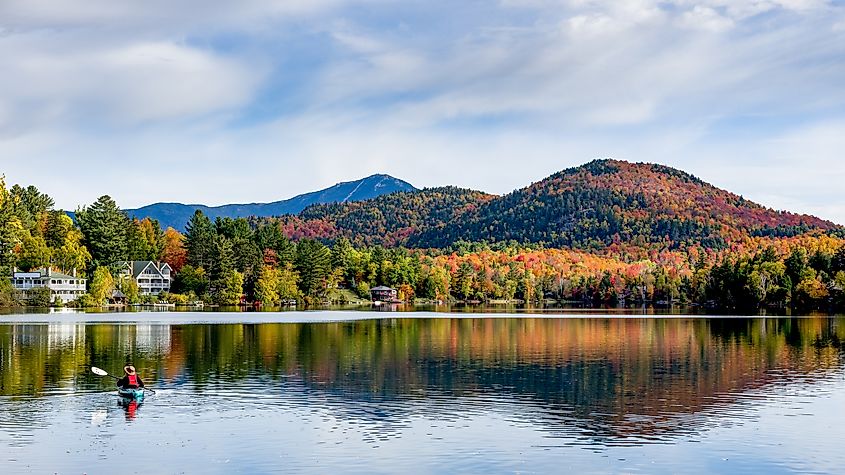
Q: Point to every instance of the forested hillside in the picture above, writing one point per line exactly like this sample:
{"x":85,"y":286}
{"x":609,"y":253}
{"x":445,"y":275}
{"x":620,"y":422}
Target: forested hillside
{"x":609,"y":201}
{"x":388,"y":220}
{"x":593,"y":207}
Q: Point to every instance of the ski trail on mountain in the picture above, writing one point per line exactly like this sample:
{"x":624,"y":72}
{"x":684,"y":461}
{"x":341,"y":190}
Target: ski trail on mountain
{"x":353,"y":191}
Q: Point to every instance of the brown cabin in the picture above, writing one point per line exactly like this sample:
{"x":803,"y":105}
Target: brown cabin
{"x":383,"y":294}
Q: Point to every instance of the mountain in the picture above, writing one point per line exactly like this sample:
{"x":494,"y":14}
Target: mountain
{"x":588,"y":207}
{"x":612,"y":201}
{"x":176,"y":215}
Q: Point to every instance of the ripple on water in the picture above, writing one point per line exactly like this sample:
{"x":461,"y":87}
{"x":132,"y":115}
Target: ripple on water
{"x":443,"y":396}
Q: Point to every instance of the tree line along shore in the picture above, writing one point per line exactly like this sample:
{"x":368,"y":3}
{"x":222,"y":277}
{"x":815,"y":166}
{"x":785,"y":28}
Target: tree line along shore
{"x":235,"y":261}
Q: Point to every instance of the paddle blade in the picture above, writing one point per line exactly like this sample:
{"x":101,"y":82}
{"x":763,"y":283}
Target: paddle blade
{"x":98,"y":371}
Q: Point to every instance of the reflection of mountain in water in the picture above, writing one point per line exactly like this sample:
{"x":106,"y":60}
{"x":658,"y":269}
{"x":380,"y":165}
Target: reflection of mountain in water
{"x":612,"y":378}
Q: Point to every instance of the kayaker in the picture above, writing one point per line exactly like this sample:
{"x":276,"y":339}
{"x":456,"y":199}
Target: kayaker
{"x":130,"y":379}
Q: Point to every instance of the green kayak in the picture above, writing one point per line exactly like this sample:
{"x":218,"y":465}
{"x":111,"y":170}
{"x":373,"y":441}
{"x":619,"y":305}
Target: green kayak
{"x":131,"y":393}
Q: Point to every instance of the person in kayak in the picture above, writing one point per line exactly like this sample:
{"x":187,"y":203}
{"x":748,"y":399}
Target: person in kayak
{"x":130,"y":380}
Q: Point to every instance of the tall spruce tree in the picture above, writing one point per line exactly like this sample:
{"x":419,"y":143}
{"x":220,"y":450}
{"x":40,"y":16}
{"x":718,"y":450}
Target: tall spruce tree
{"x":313,"y":263}
{"x":270,"y":237}
{"x":221,"y":267}
{"x":137,"y":248}
{"x":200,"y":237}
{"x":104,"y":226}
{"x":9,"y":226}
{"x":29,"y":204}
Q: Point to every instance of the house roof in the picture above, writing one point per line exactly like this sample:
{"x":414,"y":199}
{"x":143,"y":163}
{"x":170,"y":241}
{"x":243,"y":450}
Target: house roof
{"x":382,"y":288}
{"x":137,"y":267}
{"x":53,"y":274}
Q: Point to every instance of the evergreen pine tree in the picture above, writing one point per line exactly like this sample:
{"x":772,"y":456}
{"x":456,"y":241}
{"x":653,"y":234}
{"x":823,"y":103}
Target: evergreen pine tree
{"x":104,"y":226}
{"x":313,"y":263}
{"x":200,"y":239}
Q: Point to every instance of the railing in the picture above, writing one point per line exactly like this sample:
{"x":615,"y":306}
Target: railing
{"x":49,"y":286}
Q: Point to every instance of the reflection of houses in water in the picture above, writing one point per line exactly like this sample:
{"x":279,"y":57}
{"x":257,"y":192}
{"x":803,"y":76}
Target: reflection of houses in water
{"x":52,"y":336}
{"x":153,"y":338}
{"x":65,"y":335}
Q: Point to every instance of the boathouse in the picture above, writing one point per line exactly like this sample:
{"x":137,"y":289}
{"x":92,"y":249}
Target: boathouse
{"x":383,"y":294}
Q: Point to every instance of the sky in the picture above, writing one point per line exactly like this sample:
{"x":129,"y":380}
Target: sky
{"x":213,"y":101}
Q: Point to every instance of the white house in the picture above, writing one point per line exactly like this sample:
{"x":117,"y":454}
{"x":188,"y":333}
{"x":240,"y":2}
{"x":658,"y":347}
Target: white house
{"x":63,"y":287}
{"x":152,"y":277}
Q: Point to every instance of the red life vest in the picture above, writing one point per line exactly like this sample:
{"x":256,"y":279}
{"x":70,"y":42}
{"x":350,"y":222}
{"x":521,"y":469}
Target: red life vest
{"x":133,"y":380}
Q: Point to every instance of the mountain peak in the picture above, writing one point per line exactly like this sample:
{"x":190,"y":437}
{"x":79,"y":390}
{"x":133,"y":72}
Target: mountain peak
{"x":176,"y":215}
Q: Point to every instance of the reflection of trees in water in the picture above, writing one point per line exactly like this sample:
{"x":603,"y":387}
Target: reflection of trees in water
{"x":610,"y":377}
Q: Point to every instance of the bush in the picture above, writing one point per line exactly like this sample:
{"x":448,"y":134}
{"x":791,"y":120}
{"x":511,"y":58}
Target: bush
{"x":363,"y":290}
{"x":8,"y":295}
{"x":810,"y":293}
{"x":178,"y":299}
{"x":39,"y":297}
{"x":86,"y":300}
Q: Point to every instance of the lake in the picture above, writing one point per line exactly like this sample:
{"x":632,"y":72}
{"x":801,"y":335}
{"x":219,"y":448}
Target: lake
{"x":382,"y":392}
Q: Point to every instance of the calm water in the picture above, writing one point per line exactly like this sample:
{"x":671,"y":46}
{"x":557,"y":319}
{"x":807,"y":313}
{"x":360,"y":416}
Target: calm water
{"x":425,"y":395}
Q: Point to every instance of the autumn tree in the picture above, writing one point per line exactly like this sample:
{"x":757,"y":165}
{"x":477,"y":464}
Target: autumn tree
{"x":229,"y":289}
{"x":173,"y":249}
{"x":129,"y":287}
{"x":34,"y":252}
{"x":101,"y":286}
{"x":267,"y":286}
{"x":288,"y":283}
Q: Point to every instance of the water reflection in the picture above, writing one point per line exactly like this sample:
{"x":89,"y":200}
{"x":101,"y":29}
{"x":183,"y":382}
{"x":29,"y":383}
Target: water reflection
{"x":608,"y":380}
{"x":130,"y":407}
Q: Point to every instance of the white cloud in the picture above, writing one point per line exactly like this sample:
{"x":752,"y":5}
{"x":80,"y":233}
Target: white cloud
{"x":433,"y":92}
{"x":44,"y":82}
{"x":155,"y":15}
{"x":602,"y":64}
{"x":706,"y":18}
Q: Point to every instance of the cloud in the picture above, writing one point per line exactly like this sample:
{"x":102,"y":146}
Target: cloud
{"x":116,"y":84}
{"x":492,"y":95}
{"x":706,"y":18}
{"x":155,"y":15}
{"x":594,"y":64}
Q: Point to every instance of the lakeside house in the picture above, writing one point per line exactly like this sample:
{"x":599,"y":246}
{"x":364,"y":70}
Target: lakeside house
{"x":383,"y":294}
{"x":63,"y":287}
{"x":152,"y":277}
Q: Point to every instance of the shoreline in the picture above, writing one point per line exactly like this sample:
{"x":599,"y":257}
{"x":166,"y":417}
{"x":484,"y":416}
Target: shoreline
{"x":335,"y":316}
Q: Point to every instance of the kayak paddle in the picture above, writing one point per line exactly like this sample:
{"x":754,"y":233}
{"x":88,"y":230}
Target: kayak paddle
{"x":102,"y":372}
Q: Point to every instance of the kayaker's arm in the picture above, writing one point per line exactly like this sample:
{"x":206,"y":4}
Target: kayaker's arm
{"x":140,"y":382}
{"x":122,"y":382}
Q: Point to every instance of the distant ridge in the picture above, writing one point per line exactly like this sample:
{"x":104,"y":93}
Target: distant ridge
{"x":176,"y":215}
